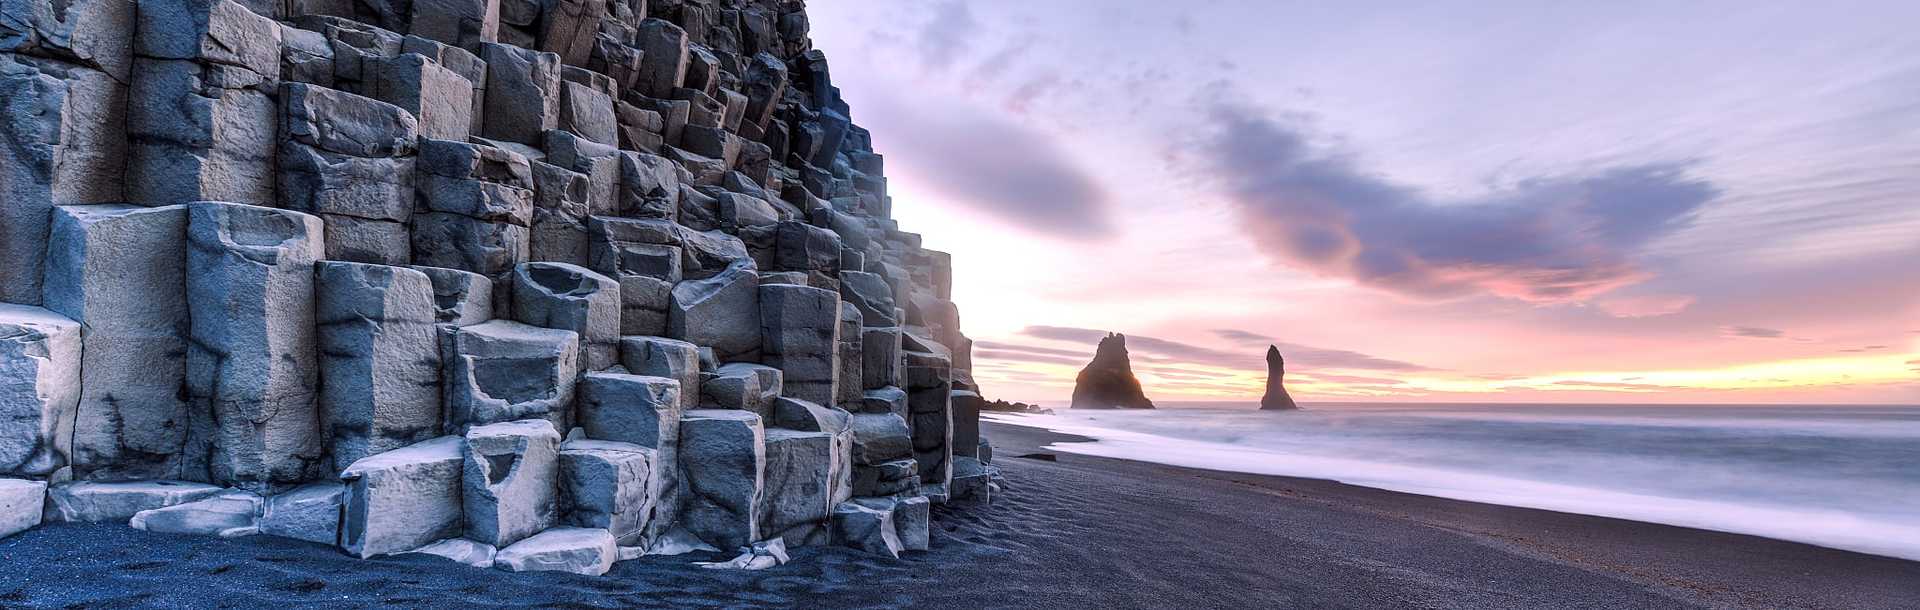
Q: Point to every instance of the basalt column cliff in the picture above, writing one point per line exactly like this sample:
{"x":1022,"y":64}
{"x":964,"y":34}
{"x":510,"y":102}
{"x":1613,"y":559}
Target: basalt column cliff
{"x":538,"y":284}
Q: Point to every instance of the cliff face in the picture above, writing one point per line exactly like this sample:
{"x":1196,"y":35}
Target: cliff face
{"x":1276,"y":398}
{"x":1108,"y":381}
{"x":365,"y":244}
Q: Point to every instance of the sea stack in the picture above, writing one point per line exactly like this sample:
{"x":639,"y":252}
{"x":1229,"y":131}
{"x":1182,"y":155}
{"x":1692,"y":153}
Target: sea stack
{"x":1108,"y":382}
{"x":1277,"y":398}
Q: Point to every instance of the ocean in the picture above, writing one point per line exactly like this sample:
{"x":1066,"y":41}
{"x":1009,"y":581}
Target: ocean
{"x":1845,"y":477}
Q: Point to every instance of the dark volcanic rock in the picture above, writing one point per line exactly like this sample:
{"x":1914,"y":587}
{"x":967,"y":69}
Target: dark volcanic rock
{"x":1108,"y":382}
{"x":1276,"y":398}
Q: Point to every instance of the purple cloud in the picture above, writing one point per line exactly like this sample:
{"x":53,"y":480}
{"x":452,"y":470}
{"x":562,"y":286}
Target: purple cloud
{"x":1752,"y":332}
{"x":1552,"y":239}
{"x":1161,"y":350}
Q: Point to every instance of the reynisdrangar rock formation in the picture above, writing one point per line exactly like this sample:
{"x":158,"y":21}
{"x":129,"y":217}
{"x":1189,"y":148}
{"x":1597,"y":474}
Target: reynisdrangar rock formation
{"x":1276,"y":398}
{"x":1108,"y":381}
{"x":532,"y":285}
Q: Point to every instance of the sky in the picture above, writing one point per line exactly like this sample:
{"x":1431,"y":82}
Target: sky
{"x":1645,"y":202}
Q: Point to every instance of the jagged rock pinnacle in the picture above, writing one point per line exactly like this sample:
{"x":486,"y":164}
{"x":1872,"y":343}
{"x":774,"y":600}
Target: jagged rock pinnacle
{"x":1108,"y":381}
{"x":1277,"y":398}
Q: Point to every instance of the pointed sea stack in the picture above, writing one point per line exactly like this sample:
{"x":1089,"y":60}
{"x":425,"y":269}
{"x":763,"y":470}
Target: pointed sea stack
{"x":1108,"y":382}
{"x":1276,"y":398}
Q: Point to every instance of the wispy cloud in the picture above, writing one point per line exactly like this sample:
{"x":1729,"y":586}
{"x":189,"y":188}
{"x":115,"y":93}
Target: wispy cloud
{"x":1174,"y":351}
{"x":1752,"y":332}
{"x":1547,"y":239}
{"x":1644,"y":306}
{"x":1013,"y":356}
{"x":993,"y":164}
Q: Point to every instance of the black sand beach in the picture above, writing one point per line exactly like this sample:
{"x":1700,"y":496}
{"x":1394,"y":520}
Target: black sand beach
{"x":1079,"y":532}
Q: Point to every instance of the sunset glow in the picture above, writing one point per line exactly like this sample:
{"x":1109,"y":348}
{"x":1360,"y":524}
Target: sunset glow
{"x":1471,"y":209}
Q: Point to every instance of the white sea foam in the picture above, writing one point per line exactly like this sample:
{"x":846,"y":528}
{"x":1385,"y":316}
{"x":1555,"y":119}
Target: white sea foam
{"x":1840,"y":478}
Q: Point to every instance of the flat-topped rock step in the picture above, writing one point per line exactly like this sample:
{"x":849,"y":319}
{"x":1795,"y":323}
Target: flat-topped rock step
{"x":579,"y":550}
{"x":92,"y":502}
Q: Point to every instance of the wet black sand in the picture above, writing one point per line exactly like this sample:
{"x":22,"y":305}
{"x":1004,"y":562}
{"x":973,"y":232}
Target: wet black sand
{"x":1079,"y":532}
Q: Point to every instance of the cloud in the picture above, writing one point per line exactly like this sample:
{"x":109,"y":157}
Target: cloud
{"x":1173,"y":351}
{"x":947,"y":34}
{"x":992,"y":354}
{"x":1613,"y":386}
{"x":1864,"y":348}
{"x":1550,"y":239}
{"x":995,"y":165}
{"x":1752,"y":332}
{"x":1242,"y":337}
{"x":1349,"y":379}
{"x":1644,"y":306}
{"x":1033,"y":349}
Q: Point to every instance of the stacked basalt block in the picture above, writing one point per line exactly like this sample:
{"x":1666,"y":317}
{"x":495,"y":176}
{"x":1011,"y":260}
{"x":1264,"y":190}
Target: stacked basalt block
{"x":534,"y":285}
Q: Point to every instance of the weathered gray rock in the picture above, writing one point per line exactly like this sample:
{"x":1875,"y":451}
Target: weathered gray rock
{"x":912,"y":518}
{"x":722,"y":312}
{"x":511,"y":482}
{"x":849,"y":375}
{"x":365,"y":201}
{"x":227,"y":515}
{"x":649,"y":186}
{"x":455,"y":241}
{"x":93,"y":502}
{"x":610,"y":485}
{"x":439,"y":98}
{"x":642,"y":256}
{"x":460,"y":23}
{"x":885,"y":400}
{"x":21,"y":502}
{"x":723,"y":457}
{"x":970,"y":481}
{"x":460,"y":550}
{"x":523,"y":93}
{"x":871,"y":294}
{"x":379,"y":358}
{"x":65,"y":140}
{"x":570,"y":297}
{"x":630,"y":408}
{"x":886,"y":478}
{"x":663,"y":64}
{"x":212,"y":31}
{"x":600,"y":163}
{"x":345,"y":123}
{"x":93,"y":33}
{"x":663,"y":357}
{"x":766,"y":81}
{"x":584,"y":551}
{"x":460,"y":298}
{"x":742,"y":386}
{"x":201,"y":132}
{"x":800,"y":331}
{"x":803,"y":476}
{"x":309,"y":512}
{"x":879,"y":438}
{"x":931,"y":415}
{"x":560,"y":209}
{"x":710,"y":253}
{"x":587,"y":113}
{"x":475,"y":161}
{"x":867,"y":529}
{"x":252,"y":369}
{"x":40,"y":359}
{"x":760,"y":556}
{"x":504,"y":371}
{"x":880,"y":364}
{"x":966,"y":422}
{"x":402,"y":499}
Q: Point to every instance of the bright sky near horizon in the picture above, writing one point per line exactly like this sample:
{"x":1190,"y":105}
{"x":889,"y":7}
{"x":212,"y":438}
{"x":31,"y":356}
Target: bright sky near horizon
{"x":1451,"y":201}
